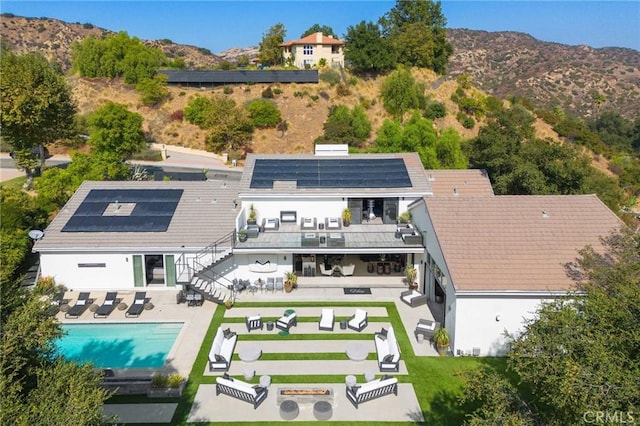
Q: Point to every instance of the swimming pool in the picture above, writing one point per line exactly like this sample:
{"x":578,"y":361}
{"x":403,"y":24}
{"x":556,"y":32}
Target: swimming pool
{"x":119,"y":345}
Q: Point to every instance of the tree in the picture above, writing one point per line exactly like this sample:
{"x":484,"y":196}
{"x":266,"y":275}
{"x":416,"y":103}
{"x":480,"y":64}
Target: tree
{"x":416,"y":30}
{"x":37,"y":108}
{"x":153,"y":90}
{"x":317,"y":28}
{"x":230,"y":126}
{"x":116,"y":55}
{"x":269,"y":51}
{"x":197,"y":110}
{"x":400,"y":93}
{"x":263,"y":113}
{"x":36,"y":386}
{"x":579,"y":355}
{"x":116,"y":130}
{"x":346,"y":126}
{"x":366,"y":50}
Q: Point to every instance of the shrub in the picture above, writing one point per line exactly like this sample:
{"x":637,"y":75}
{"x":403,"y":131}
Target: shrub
{"x":263,"y":113}
{"x":314,"y":98}
{"x":330,"y":76}
{"x":466,"y":121}
{"x":435,"y":110}
{"x":177,"y":115}
{"x":342,"y":90}
{"x":267,"y":93}
{"x":277,"y":91}
{"x":353,"y":81}
{"x":174,"y":380}
{"x":322,"y":62}
{"x":182,"y":93}
{"x":87,"y":26}
{"x":227,"y":90}
{"x":153,"y":90}
{"x":324,"y":95}
{"x":159,"y":380}
{"x":196,"y":110}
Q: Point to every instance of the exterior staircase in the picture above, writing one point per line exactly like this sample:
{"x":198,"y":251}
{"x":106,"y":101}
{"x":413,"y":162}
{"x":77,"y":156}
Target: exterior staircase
{"x":201,"y":275}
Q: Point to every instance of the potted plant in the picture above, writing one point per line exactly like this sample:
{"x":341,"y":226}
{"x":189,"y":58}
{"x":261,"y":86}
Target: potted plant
{"x":346,"y":216}
{"x":253,"y":215}
{"x":166,"y":386}
{"x":242,"y":235}
{"x":291,"y":281}
{"x":441,"y":340}
{"x":411,"y":273}
{"x":405,"y":217}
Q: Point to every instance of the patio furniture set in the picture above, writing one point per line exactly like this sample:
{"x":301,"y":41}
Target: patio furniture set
{"x":111,"y":301}
{"x":270,"y":284}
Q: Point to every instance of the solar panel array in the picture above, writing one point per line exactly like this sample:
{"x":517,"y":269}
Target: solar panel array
{"x":153,"y":211}
{"x":332,"y":173}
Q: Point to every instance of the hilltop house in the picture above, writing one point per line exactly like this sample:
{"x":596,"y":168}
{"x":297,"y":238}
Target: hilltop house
{"x":485,"y":261}
{"x":307,"y":51}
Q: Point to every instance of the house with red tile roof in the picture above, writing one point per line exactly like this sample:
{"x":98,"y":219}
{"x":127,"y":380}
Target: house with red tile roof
{"x":308,"y":51}
{"x":491,"y":260}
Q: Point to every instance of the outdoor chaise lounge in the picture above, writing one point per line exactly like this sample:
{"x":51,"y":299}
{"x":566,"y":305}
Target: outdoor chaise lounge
{"x":387,"y":350}
{"x":81,"y":305}
{"x":254,"y":394}
{"x":413,"y":298}
{"x":222,"y":348}
{"x":371,"y":390}
{"x":110,"y":302}
{"x":287,"y":321}
{"x":326,"y":320}
{"x":137,"y":306}
{"x":359,"y":320}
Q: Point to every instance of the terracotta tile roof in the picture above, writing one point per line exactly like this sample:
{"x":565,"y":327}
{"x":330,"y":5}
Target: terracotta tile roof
{"x":312,"y":39}
{"x":518,"y":243}
{"x":466,"y":183}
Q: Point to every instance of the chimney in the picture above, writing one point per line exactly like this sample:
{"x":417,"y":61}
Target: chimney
{"x":319,"y":37}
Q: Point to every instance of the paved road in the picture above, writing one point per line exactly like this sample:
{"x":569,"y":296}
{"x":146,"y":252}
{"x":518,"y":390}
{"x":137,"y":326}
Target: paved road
{"x":175,"y":162}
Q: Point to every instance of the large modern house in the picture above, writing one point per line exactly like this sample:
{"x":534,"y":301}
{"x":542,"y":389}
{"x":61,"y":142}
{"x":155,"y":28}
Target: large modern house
{"x":307,"y":51}
{"x":484,"y":261}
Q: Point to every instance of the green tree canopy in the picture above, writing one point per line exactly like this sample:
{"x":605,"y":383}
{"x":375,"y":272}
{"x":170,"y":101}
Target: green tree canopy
{"x":366,"y":50}
{"x":346,"y":126}
{"x":579,"y":355}
{"x":416,"y":30}
{"x":263,"y":113}
{"x":37,"y":108}
{"x":230,"y":127}
{"x":269,"y":51}
{"x":117,"y":55}
{"x":116,"y":130}
{"x":153,"y":90}
{"x":317,"y":28}
{"x":401,"y":93}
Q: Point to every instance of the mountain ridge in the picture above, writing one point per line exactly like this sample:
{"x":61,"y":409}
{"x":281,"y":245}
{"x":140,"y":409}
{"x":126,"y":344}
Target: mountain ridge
{"x":506,"y":63}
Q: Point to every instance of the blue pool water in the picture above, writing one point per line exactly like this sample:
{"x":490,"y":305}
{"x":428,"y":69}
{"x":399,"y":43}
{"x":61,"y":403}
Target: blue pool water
{"x":121,"y":345}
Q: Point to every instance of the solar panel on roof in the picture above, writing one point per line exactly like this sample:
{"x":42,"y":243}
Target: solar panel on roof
{"x":332,"y":173}
{"x":152,"y":212}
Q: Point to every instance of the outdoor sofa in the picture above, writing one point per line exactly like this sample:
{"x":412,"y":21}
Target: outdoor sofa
{"x":426,"y":328}
{"x":253,"y":394}
{"x":222,"y":348}
{"x":371,"y":390}
{"x":387,"y":350}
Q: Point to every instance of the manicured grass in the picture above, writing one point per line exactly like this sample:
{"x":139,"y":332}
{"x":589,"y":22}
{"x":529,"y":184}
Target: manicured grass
{"x":434,"y":379}
{"x":15,"y":183}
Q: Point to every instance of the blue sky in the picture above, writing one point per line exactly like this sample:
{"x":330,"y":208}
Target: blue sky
{"x":221,"y":25}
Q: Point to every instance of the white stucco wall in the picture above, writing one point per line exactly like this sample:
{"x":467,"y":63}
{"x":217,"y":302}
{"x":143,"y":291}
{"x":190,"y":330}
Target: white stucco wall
{"x":476,"y":325}
{"x":242,"y":266}
{"x":116,"y":275}
{"x":320,"y":208}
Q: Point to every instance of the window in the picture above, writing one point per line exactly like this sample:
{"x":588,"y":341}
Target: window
{"x":92,"y":265}
{"x":307,"y":49}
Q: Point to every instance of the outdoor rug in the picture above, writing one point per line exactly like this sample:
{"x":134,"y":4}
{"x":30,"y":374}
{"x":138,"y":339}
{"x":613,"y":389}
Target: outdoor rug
{"x":357,"y":290}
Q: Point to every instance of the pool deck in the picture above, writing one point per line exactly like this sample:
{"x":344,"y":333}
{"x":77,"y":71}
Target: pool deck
{"x":209,"y":408}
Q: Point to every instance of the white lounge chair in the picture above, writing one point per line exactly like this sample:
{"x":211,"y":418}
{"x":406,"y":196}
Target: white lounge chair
{"x":359,"y":320}
{"x":326,"y":320}
{"x":287,"y":321}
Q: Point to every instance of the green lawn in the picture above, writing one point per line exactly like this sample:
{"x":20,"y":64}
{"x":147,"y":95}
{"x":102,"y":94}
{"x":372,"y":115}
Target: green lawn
{"x":434,"y":378}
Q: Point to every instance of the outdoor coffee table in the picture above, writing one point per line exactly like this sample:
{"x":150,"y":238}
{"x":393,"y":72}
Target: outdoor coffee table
{"x":343,"y":324}
{"x":249,"y":353}
{"x":270,"y":325}
{"x":357,"y":351}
